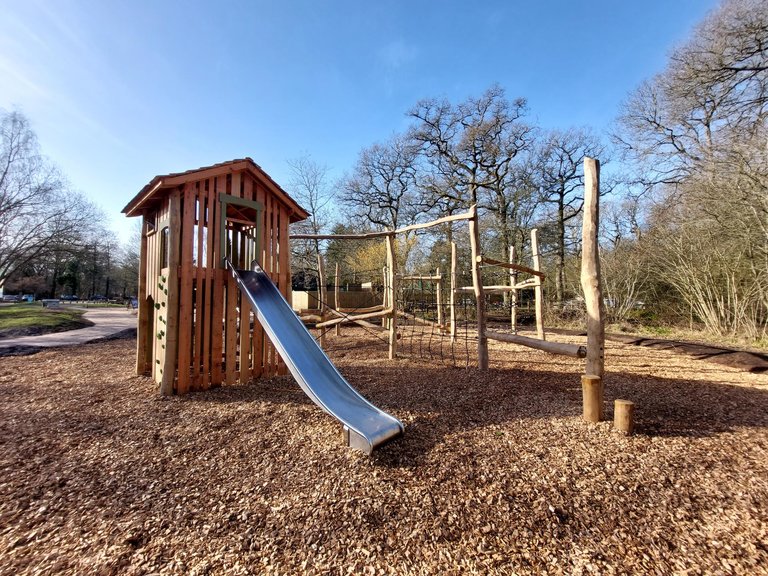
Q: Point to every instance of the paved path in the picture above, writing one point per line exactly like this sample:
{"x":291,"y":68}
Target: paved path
{"x":107,"y":322}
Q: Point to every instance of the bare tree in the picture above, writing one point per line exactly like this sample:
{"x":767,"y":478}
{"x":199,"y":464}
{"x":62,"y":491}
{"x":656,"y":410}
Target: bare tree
{"x":561,"y":180}
{"x":699,"y":130}
{"x":309,"y":186}
{"x":38,"y":213}
{"x":472,"y":144}
{"x":382,"y":187}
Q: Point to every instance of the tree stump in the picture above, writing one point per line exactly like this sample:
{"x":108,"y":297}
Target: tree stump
{"x":592,"y":394}
{"x":624,"y":416}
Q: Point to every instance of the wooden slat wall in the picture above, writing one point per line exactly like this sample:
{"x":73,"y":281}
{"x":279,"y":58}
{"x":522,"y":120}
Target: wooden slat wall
{"x":215,"y":341}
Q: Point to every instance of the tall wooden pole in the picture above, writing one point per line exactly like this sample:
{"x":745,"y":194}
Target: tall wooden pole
{"x":513,"y":293}
{"x":439,"y":299}
{"x":385,"y":303}
{"x":590,"y":270}
{"x":337,"y":296}
{"x":453,"y":292}
{"x":392,"y":280}
{"x":477,"y":283}
{"x":322,"y":291}
{"x":537,"y":290}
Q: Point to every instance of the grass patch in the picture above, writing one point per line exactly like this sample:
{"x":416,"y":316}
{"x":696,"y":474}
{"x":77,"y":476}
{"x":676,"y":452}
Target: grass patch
{"x":33,"y":319}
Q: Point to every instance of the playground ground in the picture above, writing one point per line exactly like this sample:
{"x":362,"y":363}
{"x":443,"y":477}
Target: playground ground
{"x":496,"y":474}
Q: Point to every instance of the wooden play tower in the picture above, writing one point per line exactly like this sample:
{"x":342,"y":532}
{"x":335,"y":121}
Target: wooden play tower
{"x":194,"y":330}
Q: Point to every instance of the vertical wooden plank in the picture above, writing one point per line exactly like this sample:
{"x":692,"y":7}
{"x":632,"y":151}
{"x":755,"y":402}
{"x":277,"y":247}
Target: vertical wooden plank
{"x":246,"y":332}
{"x":219,"y":286}
{"x":143,"y":338}
{"x":265,"y":264}
{"x":590,"y":270}
{"x":172,"y":303}
{"x":209,"y":282}
{"x":284,"y":270}
{"x":230,"y":346}
{"x":185,"y":294}
{"x":257,"y":342}
{"x":272,"y":271}
{"x":199,"y":318}
{"x":537,"y":289}
{"x":477,"y":282}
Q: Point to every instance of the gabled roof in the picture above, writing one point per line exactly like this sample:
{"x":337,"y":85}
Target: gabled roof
{"x":160,"y":183}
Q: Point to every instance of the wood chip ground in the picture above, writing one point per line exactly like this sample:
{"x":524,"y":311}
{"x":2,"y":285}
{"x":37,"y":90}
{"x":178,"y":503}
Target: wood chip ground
{"x":497,"y":473}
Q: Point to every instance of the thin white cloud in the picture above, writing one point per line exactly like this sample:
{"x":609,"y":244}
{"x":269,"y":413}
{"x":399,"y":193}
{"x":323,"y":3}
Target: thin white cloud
{"x":397,"y":54}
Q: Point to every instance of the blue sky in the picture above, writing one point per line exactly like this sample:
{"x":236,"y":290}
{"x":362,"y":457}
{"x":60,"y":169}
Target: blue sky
{"x":119,"y":91}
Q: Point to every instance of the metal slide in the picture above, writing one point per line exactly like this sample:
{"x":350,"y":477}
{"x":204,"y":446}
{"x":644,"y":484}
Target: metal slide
{"x":365,"y":426}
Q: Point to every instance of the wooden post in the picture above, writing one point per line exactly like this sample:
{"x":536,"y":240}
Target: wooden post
{"x":322,"y":291}
{"x":590,"y":270}
{"x":439,"y":299}
{"x":537,"y":290}
{"x":144,"y":341}
{"x":453,"y":291}
{"x":513,"y":293}
{"x":477,"y":284}
{"x":392,"y":280}
{"x":172,"y":303}
{"x":385,"y":298}
{"x":592,"y":397}
{"x":336,"y":296}
{"x":624,"y":416}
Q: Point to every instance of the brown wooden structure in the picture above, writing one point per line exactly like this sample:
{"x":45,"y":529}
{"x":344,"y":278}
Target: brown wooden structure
{"x":194,"y":330}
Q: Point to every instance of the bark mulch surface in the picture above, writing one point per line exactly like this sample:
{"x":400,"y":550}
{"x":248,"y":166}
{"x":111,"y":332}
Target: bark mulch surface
{"x":496,"y":474}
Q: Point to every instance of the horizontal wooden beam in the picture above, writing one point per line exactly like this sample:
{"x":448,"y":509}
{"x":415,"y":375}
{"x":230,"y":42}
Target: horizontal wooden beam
{"x":383,"y":234}
{"x":574,"y":350}
{"x":509,"y":265}
{"x":423,"y":321}
{"x":343,"y":319}
{"x":363,"y":323}
{"x":359,"y":310}
{"x":495,"y":289}
{"x":423,"y":278}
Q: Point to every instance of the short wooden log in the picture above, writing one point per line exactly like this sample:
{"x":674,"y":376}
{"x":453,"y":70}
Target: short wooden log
{"x":624,"y":416}
{"x":592,"y":397}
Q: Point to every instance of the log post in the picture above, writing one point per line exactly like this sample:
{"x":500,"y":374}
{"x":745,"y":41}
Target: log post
{"x":513,"y":293}
{"x":453,"y":292}
{"x":322,"y":289}
{"x":439,"y":287}
{"x":592,"y":397}
{"x":624,"y":416}
{"x":385,"y":297}
{"x":336,"y":296}
{"x":477,"y":282}
{"x":537,"y":289}
{"x":392,"y":265}
{"x":590,"y":270}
